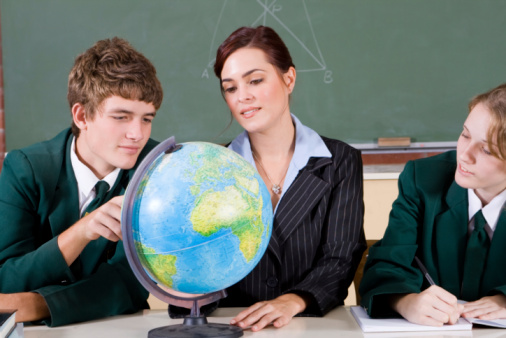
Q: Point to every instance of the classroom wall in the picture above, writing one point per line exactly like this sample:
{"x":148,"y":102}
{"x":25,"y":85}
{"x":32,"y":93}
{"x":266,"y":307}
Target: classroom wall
{"x":379,"y":194}
{"x":366,"y":69}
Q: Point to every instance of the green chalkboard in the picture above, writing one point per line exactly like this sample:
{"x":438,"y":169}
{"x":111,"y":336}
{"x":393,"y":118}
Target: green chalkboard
{"x":366,"y":69}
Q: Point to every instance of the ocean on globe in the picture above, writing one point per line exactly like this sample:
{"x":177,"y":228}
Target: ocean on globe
{"x":201,"y":218}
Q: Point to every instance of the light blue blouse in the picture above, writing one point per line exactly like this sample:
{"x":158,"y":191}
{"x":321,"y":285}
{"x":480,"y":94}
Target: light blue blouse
{"x":307,"y":144}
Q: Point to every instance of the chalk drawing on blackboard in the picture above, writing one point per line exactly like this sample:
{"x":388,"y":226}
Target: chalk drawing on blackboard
{"x":268,"y":9}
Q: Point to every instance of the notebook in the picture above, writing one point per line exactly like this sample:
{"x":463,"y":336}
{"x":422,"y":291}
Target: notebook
{"x":499,"y":323}
{"x":368,"y":324}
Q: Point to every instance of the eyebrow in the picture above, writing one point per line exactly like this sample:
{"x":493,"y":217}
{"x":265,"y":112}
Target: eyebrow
{"x":245,"y":74}
{"x":467,"y":129}
{"x":125,"y":111}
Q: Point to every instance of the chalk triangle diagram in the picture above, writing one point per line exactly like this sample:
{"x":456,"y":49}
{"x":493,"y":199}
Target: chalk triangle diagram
{"x":291,"y":21}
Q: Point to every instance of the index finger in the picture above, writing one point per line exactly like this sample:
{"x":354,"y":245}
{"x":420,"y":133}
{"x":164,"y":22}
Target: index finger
{"x":245,"y":313}
{"x":444,"y":295}
{"x":118,"y":200}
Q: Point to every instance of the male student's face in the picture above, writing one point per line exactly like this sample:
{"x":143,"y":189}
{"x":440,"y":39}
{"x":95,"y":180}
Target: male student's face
{"x":476,"y":168}
{"x":116,"y":135}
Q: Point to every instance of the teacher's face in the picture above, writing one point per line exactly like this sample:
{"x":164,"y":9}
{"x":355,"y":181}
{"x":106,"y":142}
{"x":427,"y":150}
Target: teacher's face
{"x":477,"y":168}
{"x":255,"y":92}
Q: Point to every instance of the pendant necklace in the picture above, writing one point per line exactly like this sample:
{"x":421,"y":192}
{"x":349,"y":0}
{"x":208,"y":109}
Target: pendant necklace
{"x":276,"y":188}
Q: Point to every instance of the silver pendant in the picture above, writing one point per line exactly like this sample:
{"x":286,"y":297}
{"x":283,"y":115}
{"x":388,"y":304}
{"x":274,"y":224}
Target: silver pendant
{"x":276,"y":189}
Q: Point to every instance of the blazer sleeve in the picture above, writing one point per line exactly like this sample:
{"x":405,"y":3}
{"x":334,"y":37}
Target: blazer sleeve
{"x":113,"y":289}
{"x":343,"y":241}
{"x":29,"y":254}
{"x":389,"y":269}
{"x":30,"y":260}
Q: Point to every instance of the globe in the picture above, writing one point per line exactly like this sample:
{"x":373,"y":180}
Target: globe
{"x":196,"y":218}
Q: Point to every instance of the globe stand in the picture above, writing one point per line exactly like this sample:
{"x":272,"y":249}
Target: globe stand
{"x":196,"y":325}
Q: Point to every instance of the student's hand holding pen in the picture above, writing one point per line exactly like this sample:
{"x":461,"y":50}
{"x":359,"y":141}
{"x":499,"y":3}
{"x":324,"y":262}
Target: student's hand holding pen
{"x":434,"y":306}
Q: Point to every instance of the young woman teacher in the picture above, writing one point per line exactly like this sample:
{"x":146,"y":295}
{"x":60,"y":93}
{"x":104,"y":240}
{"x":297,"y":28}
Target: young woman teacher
{"x":315,"y":184}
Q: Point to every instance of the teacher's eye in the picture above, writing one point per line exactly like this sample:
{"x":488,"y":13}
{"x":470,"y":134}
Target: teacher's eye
{"x":229,"y":90}
{"x":464,"y":135}
{"x":256,"y":81}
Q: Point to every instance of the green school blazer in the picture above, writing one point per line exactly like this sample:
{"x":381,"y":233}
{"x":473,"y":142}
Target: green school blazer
{"x":428,"y":219}
{"x":38,"y":201}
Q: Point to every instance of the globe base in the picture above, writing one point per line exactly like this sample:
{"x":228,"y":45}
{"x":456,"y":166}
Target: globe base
{"x":196,"y":327}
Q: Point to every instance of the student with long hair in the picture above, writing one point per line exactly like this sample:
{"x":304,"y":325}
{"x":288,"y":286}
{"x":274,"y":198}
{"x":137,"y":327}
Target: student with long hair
{"x":450,"y":215}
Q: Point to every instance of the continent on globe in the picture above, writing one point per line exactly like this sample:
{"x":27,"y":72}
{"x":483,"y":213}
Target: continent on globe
{"x":242,"y":216}
{"x":164,"y":263}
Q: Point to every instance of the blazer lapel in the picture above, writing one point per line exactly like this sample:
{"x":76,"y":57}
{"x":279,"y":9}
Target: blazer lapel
{"x":273,"y":246}
{"x":65,"y":201}
{"x":451,"y":236}
{"x":304,"y":193}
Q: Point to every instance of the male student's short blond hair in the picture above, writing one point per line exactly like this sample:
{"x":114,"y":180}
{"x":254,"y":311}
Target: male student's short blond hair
{"x":112,"y":67}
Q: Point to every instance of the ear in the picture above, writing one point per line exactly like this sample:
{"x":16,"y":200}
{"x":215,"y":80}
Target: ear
{"x":289,"y":78}
{"x":79,"y":116}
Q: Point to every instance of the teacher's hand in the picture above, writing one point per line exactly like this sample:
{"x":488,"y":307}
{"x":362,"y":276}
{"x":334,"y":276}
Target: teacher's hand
{"x":434,"y":306}
{"x":488,"y":308}
{"x":278,"y":311}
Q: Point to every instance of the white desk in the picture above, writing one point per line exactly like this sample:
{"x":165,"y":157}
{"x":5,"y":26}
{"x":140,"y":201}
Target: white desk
{"x":338,"y":323}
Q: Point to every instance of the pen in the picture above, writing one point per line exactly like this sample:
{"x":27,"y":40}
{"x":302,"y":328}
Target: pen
{"x":424,"y":271}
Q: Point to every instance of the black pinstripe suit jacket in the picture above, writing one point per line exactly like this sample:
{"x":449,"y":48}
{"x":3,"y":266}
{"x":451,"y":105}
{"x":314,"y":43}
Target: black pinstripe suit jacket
{"x":317,"y":239}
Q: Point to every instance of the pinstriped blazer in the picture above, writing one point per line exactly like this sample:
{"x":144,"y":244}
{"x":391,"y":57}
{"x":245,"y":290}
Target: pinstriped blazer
{"x":317,"y":239}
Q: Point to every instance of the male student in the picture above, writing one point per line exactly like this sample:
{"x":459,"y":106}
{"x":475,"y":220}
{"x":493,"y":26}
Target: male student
{"x":59,"y":262}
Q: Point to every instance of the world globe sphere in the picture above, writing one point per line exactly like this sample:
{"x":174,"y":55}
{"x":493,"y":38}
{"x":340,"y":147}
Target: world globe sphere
{"x":196,"y":218}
